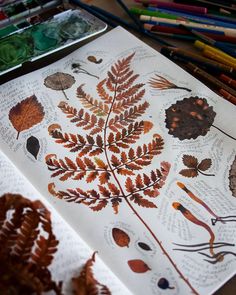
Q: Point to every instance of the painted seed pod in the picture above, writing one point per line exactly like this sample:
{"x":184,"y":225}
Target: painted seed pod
{"x":120,"y":237}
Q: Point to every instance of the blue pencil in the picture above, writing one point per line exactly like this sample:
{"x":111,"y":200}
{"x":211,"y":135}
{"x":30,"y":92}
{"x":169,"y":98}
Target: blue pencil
{"x":210,"y":41}
{"x":197,"y":18}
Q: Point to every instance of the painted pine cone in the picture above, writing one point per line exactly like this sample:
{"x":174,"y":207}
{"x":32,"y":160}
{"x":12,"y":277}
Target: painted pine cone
{"x":232,"y":178}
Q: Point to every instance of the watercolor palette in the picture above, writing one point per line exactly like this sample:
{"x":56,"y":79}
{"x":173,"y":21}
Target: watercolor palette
{"x":43,"y":38}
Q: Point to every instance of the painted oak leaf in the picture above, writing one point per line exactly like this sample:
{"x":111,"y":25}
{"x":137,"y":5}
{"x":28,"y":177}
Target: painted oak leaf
{"x":86,"y":284}
{"x":194,"y":167}
{"x":26,"y":114}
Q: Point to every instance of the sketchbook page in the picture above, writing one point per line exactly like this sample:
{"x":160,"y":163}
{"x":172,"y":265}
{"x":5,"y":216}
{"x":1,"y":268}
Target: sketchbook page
{"x":72,"y":253}
{"x":137,"y":156}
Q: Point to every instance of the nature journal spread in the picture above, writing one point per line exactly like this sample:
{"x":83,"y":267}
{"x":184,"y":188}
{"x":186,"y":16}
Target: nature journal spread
{"x":136,"y":156}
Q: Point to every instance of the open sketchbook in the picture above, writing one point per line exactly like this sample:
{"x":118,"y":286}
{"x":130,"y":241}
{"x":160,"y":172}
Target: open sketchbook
{"x":137,"y":157}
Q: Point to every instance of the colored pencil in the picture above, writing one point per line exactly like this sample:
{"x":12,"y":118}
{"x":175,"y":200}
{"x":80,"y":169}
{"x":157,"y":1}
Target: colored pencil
{"x":204,"y":47}
{"x":176,"y":30}
{"x":209,"y":78}
{"x":210,"y":41}
{"x":195,"y":18}
{"x":139,"y":11}
{"x":215,"y":56}
{"x":226,"y":31}
{"x":228,"y":80}
{"x":191,"y":57}
{"x":175,"y":6}
{"x":225,"y":94}
{"x":208,"y":4}
{"x":125,"y":8}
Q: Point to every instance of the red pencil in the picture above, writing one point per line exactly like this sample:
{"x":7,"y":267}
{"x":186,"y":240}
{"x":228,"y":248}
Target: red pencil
{"x":174,"y":30}
{"x":228,"y":80}
{"x":227,"y":96}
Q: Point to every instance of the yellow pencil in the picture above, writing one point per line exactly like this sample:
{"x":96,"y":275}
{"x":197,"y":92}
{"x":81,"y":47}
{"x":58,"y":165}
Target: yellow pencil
{"x":204,"y":47}
{"x":219,"y":58}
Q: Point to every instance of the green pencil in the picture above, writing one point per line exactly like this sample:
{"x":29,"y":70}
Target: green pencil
{"x":139,"y":11}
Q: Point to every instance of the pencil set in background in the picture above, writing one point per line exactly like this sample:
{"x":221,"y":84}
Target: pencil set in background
{"x":209,"y":25}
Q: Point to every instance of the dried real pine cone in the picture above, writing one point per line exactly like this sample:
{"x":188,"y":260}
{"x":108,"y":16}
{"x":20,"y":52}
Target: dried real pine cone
{"x":189,"y":118}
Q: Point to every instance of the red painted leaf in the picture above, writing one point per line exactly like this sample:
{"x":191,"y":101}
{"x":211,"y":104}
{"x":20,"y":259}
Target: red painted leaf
{"x":138,"y":266}
{"x":121,"y":238}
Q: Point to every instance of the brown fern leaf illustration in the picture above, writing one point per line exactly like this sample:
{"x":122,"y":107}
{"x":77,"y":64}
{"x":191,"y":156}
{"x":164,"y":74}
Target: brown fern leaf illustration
{"x":161,"y":83}
{"x":86,"y":283}
{"x":120,"y":129}
{"x":27,"y":247}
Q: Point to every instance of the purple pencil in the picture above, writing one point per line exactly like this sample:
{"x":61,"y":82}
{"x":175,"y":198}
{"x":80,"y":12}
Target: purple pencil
{"x":175,"y":6}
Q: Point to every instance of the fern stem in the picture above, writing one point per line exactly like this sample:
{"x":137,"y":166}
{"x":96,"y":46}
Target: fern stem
{"x":183,"y":88}
{"x":131,"y":207}
{"x":160,"y":245}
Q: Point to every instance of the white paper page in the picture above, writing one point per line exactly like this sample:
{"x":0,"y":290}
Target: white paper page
{"x":138,"y":240}
{"x":72,"y":252}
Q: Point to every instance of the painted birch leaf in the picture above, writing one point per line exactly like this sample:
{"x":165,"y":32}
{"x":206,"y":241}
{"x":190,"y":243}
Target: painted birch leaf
{"x":120,"y":237}
{"x":144,"y":246}
{"x":33,"y":146}
{"x":86,"y":283}
{"x":204,"y":165}
{"x":232,"y":178}
{"x":26,"y":114}
{"x":138,"y":266}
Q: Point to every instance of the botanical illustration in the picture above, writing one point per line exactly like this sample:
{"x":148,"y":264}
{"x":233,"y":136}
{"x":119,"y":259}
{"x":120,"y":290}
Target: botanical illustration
{"x":138,"y":266}
{"x":120,"y":237}
{"x":190,"y":118}
{"x":86,"y":283}
{"x":194,"y":167}
{"x":27,"y":246}
{"x":60,"y":82}
{"x":108,"y":153}
{"x":77,"y":68}
{"x":94,"y":59}
{"x":213,"y":257}
{"x":26,"y":114}
{"x":33,"y":146}
{"x":232,"y":178}
{"x":161,"y":83}
{"x":163,"y":283}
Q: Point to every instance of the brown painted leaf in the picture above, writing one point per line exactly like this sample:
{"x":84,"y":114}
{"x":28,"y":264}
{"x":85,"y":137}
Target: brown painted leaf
{"x":26,"y":114}
{"x":190,"y":161}
{"x":100,"y":163}
{"x":205,"y":164}
{"x":138,"y":266}
{"x":120,"y":237}
{"x":189,"y":172}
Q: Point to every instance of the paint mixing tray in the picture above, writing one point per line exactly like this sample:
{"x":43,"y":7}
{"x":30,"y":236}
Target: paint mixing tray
{"x":36,"y":41}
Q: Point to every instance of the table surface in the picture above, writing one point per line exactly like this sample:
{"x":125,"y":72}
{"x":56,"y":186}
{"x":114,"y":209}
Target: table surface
{"x":111,"y":5}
